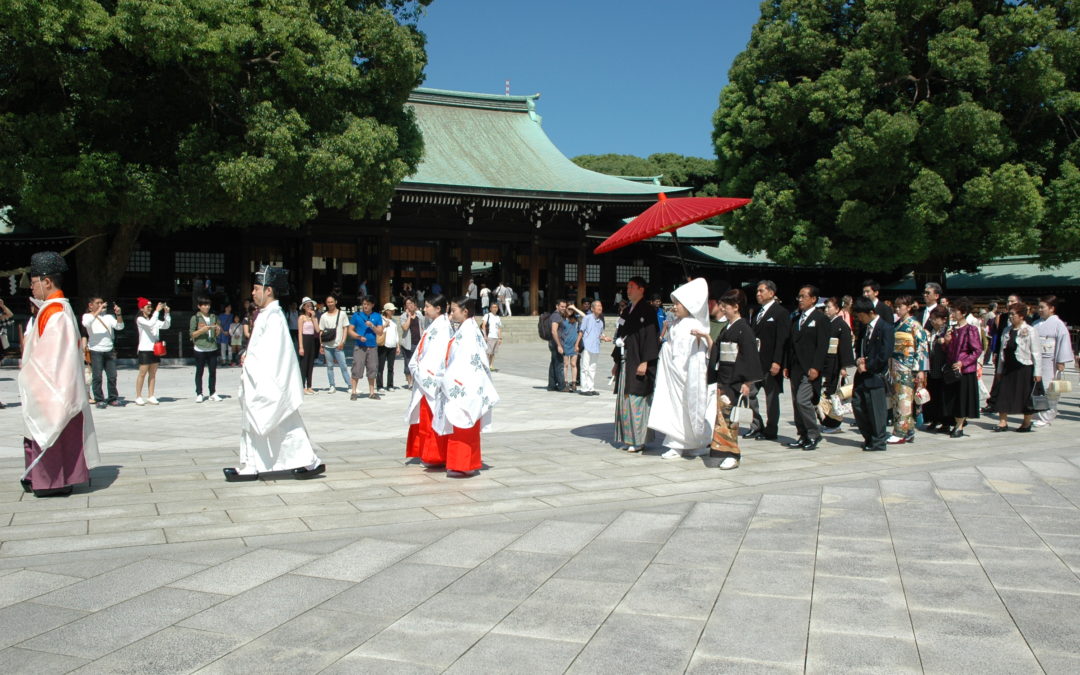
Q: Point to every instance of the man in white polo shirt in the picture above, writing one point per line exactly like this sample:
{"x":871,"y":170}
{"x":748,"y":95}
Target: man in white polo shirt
{"x":101,"y":333}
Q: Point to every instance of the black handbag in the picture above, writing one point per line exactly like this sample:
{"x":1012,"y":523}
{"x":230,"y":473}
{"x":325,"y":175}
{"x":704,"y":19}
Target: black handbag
{"x":330,"y":334}
{"x":1039,"y":401}
{"x":949,"y":374}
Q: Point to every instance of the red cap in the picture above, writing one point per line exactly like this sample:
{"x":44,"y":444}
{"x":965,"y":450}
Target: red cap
{"x":142,"y":302}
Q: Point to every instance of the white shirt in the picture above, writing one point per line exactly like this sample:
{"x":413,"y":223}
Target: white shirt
{"x":99,"y":331}
{"x":391,"y":333}
{"x":336,"y":321}
{"x":150,"y":330}
{"x":764,"y":308}
{"x":471,"y":291}
{"x":926,"y":313}
{"x":493,"y":322}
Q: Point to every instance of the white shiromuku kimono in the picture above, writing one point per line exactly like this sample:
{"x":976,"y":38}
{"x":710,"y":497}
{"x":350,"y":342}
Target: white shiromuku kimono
{"x":1056,"y":348}
{"x":273,"y":437}
{"x":680,"y":400}
{"x":427,"y":365}
{"x":468,"y":392}
{"x":53,"y":395}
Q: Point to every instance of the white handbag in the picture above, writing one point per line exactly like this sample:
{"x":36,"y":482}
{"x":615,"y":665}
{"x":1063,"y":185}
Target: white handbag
{"x":741,"y":414}
{"x":1058,"y":387}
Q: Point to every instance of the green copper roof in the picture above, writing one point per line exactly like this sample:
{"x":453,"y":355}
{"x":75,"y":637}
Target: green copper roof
{"x":727,"y":254}
{"x":1004,"y":275}
{"x":490,"y":144}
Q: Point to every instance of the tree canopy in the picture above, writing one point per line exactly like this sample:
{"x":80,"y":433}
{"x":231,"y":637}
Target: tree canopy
{"x":905,"y":134}
{"x":679,"y":170}
{"x":120,"y":115}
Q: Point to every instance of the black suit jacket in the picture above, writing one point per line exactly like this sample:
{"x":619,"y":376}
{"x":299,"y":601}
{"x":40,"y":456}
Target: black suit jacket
{"x":809,"y":345}
{"x":772,"y":332}
{"x":877,"y":348}
{"x":641,"y":338}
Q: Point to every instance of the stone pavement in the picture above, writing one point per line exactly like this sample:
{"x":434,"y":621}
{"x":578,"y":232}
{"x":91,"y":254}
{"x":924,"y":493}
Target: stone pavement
{"x":563,"y":555}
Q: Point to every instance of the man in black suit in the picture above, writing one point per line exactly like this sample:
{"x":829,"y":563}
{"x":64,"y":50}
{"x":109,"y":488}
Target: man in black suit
{"x":807,"y":349}
{"x":871,"y":290}
{"x":772,"y":327}
{"x":931,"y":295}
{"x":874,"y":349}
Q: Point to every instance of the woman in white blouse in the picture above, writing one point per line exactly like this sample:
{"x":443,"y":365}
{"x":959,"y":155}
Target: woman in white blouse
{"x":149,"y":325}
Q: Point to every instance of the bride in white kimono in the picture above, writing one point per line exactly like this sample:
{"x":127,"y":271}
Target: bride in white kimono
{"x":680,"y":400}
{"x":273,"y":437}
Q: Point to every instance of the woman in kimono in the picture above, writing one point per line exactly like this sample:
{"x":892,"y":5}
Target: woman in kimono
{"x":934,"y":416}
{"x":1056,"y":352}
{"x":963,"y":347}
{"x":680,"y":398}
{"x":427,"y":423}
{"x":840,"y":357}
{"x":468,"y":394}
{"x":1017,"y":363}
{"x":907,"y":367}
{"x":738,"y":370}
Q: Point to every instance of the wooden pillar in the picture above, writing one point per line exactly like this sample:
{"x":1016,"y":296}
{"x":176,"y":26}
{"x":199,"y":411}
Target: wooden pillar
{"x":582,"y":285}
{"x":244,"y":280}
{"x":607,"y":280}
{"x":307,"y":251}
{"x":466,"y":263}
{"x":534,"y":277}
{"x":384,"y":291}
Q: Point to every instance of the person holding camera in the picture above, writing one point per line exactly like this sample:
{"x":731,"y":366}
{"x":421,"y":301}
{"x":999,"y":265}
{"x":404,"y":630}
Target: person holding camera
{"x":204,"y":329}
{"x":150,"y":324}
{"x":100,"y":333}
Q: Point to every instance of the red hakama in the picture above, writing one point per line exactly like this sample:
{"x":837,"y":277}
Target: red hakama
{"x":463,"y":449}
{"x":424,"y":443}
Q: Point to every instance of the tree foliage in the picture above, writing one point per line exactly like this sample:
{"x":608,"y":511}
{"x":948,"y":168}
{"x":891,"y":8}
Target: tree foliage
{"x":674,"y":169}
{"x":905,"y":134}
{"x":120,"y":115}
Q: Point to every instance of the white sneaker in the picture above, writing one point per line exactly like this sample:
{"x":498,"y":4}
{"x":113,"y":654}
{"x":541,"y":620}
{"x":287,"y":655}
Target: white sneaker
{"x":215,"y":398}
{"x":1040,"y":423}
{"x":671,"y":454}
{"x":200,"y":398}
{"x":729,"y":463}
{"x":331,"y":390}
{"x":139,"y":401}
{"x":153,"y":400}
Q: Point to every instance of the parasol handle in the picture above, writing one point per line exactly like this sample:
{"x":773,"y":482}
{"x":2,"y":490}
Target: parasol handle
{"x":678,"y":251}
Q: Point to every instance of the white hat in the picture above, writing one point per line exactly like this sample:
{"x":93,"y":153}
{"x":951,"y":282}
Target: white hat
{"x":389,"y":307}
{"x":306,"y":300}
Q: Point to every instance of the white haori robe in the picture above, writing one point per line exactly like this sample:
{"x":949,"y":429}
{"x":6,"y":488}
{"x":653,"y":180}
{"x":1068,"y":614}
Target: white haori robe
{"x":467,"y":389}
{"x":51,"y":384}
{"x":427,"y":366}
{"x":273,"y":437}
{"x":681,"y":400}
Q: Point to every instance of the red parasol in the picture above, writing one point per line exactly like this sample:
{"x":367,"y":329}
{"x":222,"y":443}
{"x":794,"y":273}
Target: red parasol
{"x":667,"y":215}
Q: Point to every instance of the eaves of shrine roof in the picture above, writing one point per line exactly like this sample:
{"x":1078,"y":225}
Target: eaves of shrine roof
{"x":487,"y":144}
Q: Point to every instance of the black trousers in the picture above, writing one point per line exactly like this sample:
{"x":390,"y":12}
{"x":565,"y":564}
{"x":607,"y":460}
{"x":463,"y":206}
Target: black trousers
{"x":556,"y":380}
{"x":307,"y":361}
{"x":103,"y":361}
{"x":771,"y":390}
{"x":207,"y":360}
{"x":386,"y":363}
{"x":871,"y":408}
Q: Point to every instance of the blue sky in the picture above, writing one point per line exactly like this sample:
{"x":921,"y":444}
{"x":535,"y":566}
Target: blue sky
{"x":620,"y":76}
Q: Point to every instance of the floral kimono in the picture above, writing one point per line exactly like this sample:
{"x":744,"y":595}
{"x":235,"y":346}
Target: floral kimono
{"x":911,"y":354}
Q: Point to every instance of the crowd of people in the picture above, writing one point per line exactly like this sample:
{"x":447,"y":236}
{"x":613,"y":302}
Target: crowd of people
{"x":709,"y":371}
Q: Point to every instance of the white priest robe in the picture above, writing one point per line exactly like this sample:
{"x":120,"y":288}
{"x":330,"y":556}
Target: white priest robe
{"x":52,"y":388}
{"x":468,"y":392}
{"x":273,"y":437}
{"x":427,"y":365}
{"x":680,"y":401}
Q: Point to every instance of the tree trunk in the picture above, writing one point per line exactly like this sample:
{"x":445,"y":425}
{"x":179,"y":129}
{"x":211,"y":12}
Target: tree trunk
{"x":102,"y":261}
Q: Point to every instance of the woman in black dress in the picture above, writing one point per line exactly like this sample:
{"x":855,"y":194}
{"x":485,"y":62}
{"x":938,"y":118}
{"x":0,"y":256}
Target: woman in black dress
{"x":733,"y":358}
{"x":934,"y":410}
{"x":839,"y":358}
{"x":1020,"y":346}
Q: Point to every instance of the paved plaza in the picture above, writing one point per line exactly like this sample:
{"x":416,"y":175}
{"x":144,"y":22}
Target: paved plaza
{"x":563,"y":555}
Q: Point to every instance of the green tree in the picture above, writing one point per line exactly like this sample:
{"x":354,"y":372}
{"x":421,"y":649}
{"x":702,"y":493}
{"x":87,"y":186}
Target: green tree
{"x":905,"y":134}
{"x":697,"y":173}
{"x":122,"y":115}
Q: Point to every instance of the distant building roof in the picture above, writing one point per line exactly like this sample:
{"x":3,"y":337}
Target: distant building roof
{"x":1008,"y":274}
{"x":489,"y":144}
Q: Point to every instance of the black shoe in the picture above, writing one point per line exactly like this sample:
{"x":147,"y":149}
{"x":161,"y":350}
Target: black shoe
{"x":753,"y":433}
{"x":801,"y":443}
{"x":987,"y":409}
{"x":764,"y":437}
{"x":27,"y":486}
{"x":811,"y":445}
{"x":957,"y":433}
{"x":999,"y":428}
{"x":234,"y":476}
{"x":101,"y":405}
{"x":54,"y":492}
{"x":930,"y":428}
{"x":304,"y":472}
{"x":870,"y":448}
{"x":1024,"y":428}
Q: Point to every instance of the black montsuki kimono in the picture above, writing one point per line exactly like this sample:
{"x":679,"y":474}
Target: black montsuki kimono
{"x":641,"y":342}
{"x":843,"y":358}
{"x":730,"y":375}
